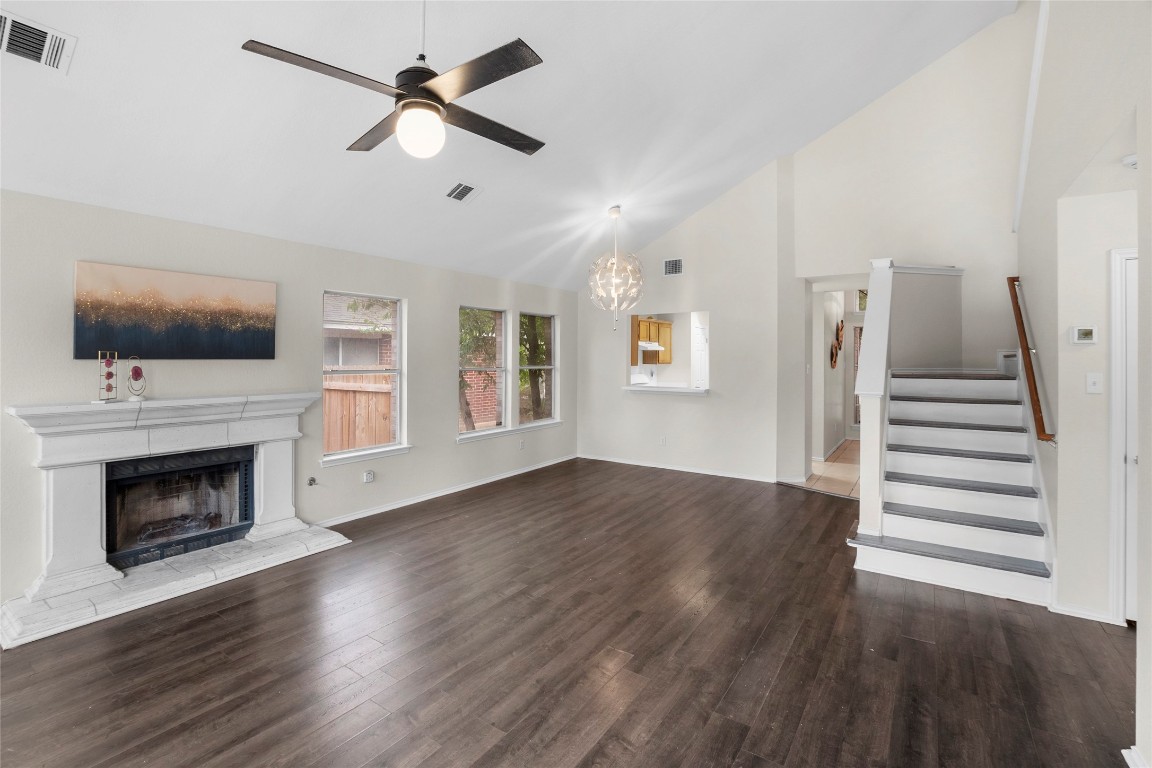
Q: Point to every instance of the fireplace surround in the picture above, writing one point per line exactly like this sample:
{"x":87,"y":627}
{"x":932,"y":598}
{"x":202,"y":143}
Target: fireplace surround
{"x":76,"y":444}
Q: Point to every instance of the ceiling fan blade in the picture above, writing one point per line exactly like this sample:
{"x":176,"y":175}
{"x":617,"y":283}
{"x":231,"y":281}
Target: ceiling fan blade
{"x":288,"y":57}
{"x":376,"y":134}
{"x":484,"y":70}
{"x":490,"y":129}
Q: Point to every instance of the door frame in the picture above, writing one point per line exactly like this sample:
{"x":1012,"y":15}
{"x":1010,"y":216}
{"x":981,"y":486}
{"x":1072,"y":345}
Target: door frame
{"x":1118,"y":581}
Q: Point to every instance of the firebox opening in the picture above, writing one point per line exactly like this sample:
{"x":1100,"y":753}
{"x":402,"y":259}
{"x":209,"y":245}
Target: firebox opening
{"x":162,"y":506}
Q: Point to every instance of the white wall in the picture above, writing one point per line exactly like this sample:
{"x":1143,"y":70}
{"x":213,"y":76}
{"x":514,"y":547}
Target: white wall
{"x":1088,"y":227}
{"x":828,"y":387}
{"x":41,"y":238}
{"x":729,"y":253}
{"x":926,"y":175}
{"x":926,"y":321}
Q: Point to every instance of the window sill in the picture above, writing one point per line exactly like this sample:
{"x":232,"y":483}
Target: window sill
{"x":667,"y":390}
{"x":469,"y":437}
{"x":336,"y":459}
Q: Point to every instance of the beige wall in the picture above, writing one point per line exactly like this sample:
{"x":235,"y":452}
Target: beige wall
{"x":729,"y":253}
{"x":1088,"y":227}
{"x":926,"y":175}
{"x":41,"y":240}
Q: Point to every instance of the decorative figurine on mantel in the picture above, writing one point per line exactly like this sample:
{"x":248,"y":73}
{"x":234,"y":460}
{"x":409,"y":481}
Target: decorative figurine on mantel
{"x":107,"y":364}
{"x":136,"y":381}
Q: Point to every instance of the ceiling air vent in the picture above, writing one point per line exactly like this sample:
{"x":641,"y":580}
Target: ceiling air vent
{"x":673,"y":267}
{"x":463,"y":192}
{"x":36,"y":42}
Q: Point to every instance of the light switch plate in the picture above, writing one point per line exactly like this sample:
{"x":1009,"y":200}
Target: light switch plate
{"x":1094,"y":383}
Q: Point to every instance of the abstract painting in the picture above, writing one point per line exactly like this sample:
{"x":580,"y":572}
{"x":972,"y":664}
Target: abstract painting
{"x":163,"y":315}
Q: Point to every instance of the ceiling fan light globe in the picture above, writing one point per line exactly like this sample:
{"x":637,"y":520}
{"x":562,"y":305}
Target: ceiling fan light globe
{"x":420,"y":131}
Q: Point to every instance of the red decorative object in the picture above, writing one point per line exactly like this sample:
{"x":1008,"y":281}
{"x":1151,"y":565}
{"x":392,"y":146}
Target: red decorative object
{"x":136,"y":381}
{"x":107,"y":360}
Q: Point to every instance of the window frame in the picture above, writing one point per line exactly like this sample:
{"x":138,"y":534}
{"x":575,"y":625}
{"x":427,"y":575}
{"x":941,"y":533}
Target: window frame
{"x":398,"y":372}
{"x":551,"y":367}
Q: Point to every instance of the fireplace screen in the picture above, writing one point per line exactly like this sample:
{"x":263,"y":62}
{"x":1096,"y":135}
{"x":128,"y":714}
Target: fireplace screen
{"x":163,"y":506}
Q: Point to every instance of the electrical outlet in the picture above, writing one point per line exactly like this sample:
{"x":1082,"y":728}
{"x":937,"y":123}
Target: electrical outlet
{"x":664,"y":440}
{"x":521,"y":445}
{"x":1094,"y":383}
{"x":369,"y":476}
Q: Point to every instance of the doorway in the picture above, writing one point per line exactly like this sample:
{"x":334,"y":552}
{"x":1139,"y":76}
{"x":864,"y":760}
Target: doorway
{"x":1124,"y":413}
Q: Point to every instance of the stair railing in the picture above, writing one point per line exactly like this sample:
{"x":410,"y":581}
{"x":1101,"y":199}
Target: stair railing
{"x":872,"y":388}
{"x":1030,"y":358}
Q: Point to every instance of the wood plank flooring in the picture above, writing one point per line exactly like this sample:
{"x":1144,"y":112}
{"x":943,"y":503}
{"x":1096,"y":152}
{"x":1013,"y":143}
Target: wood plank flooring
{"x":588,"y":614}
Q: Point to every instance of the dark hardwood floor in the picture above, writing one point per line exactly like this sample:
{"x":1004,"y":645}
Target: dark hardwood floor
{"x":588,"y":614}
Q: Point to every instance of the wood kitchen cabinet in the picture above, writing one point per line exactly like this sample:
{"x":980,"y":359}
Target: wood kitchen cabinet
{"x":650,"y":329}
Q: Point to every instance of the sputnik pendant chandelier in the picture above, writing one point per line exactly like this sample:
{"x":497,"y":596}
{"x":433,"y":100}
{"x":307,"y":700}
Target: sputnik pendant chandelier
{"x":615,"y":281}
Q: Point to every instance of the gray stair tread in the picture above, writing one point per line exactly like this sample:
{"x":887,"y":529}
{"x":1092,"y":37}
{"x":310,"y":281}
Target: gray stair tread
{"x":1008,"y":525}
{"x":1022,"y":458}
{"x":955,"y":554}
{"x":967,"y":375}
{"x":959,"y":484}
{"x":959,"y":400}
{"x":956,"y":425}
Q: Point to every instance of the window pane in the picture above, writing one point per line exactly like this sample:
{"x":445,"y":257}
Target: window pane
{"x":535,"y":394}
{"x":361,"y":399}
{"x":481,"y":400}
{"x":535,"y":340}
{"x":331,"y":352}
{"x":481,"y":338}
{"x":361,"y":410}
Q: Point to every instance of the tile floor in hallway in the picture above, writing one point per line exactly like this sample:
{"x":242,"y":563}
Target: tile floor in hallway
{"x":840,"y":474}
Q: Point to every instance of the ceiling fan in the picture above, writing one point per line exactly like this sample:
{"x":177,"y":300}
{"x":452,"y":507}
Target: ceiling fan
{"x":424,"y":99}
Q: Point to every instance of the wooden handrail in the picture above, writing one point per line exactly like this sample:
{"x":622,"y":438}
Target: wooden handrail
{"x":1029,"y":370}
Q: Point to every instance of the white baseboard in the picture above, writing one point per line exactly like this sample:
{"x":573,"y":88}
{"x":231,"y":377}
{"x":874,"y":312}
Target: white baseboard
{"x":834,"y":449}
{"x":1134,"y":758}
{"x":435,"y":494}
{"x":696,"y":470}
{"x":1084,"y":613}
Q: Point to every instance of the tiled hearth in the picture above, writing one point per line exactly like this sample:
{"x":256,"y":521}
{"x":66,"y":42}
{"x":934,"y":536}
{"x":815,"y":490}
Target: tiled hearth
{"x":74,"y":442}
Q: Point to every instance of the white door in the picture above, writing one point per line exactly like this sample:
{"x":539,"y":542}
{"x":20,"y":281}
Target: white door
{"x":1131,"y":447}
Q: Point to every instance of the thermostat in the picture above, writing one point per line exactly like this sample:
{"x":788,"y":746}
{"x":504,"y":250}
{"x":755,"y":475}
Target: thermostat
{"x":1082,"y":334}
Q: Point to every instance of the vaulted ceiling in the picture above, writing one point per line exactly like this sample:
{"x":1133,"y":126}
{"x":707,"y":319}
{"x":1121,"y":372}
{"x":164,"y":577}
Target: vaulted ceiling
{"x":657,"y":106}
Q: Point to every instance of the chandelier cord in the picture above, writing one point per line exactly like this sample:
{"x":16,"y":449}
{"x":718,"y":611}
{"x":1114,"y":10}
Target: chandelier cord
{"x":423,"y":26}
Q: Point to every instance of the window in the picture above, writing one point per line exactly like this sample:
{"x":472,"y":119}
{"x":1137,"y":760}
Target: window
{"x":361,"y":372}
{"x":536,"y":368}
{"x":481,"y":369}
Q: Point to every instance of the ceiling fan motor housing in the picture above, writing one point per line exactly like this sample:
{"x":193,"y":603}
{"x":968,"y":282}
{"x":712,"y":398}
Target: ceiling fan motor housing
{"x":411,"y":81}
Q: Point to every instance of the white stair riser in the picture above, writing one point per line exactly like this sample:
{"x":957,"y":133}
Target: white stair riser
{"x":972,"y":578}
{"x":999,"y":505}
{"x":962,"y":413}
{"x":996,"y":389}
{"x":1010,"y":472}
{"x":964,"y":537}
{"x":962,"y":439}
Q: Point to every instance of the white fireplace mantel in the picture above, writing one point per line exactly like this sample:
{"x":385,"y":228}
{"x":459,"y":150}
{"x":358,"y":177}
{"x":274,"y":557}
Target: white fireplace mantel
{"x":75,"y":441}
{"x":83,"y":433}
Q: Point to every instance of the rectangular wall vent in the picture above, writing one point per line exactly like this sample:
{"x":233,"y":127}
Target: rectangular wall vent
{"x":461,"y":191}
{"x":36,"y":42}
{"x":673,"y":267}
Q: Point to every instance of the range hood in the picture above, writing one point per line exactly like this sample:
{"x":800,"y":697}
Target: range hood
{"x":649,"y":346}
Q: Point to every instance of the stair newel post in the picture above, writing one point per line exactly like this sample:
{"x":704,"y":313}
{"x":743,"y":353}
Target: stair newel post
{"x":872,"y":388}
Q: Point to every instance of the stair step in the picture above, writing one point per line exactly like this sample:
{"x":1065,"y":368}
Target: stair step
{"x":1008,"y":525}
{"x":957,"y":425}
{"x":953,"y":554}
{"x":965,"y":375}
{"x":958,"y":484}
{"x":958,"y":453}
{"x":958,"y":400}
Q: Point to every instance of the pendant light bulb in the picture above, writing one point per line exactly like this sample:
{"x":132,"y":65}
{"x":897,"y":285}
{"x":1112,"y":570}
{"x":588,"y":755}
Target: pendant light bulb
{"x":420,"y":130}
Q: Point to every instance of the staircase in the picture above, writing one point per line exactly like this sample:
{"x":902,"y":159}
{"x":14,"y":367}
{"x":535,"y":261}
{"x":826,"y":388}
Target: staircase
{"x":959,"y":506}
